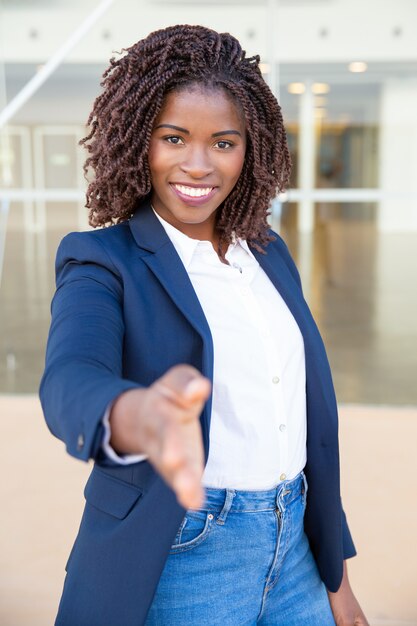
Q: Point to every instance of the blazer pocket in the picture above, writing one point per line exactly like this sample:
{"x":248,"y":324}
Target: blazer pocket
{"x":111,"y":495}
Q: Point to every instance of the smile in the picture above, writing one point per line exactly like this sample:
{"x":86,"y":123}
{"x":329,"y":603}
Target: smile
{"x":193,"y":192}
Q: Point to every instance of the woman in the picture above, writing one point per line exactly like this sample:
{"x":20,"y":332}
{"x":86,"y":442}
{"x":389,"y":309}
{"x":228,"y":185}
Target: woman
{"x":183,"y":359}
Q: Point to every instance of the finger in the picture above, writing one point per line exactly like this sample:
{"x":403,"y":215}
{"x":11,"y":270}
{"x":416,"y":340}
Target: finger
{"x":173,"y":446}
{"x":182,"y":468}
{"x":183,"y":447}
{"x":182,"y":461}
{"x":188,"y":488}
{"x":177,"y":441}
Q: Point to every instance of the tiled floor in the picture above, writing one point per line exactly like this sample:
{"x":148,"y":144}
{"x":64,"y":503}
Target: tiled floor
{"x":361,"y":286}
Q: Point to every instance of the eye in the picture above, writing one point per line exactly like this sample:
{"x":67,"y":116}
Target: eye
{"x":174,"y":139}
{"x":223,"y":144}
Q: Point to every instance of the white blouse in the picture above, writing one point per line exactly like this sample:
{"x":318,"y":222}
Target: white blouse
{"x":258,"y":420}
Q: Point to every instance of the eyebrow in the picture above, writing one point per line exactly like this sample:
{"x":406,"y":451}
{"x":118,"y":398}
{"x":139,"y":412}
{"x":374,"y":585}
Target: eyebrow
{"x":227,"y":132}
{"x":181,"y":130}
{"x":187,"y":132}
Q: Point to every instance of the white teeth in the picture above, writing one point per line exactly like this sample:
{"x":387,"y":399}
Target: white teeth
{"x":194,"y":192}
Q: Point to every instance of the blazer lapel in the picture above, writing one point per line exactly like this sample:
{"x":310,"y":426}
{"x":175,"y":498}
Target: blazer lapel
{"x":159,"y":254}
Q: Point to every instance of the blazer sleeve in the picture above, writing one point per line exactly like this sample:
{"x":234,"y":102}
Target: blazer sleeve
{"x":349,"y":549}
{"x":83,"y":370}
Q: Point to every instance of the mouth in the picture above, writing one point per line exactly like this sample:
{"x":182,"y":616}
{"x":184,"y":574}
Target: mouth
{"x":193,"y":194}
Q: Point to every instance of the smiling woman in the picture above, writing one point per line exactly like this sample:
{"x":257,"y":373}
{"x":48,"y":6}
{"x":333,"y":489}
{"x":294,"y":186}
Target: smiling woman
{"x":194,"y":171}
{"x":183,"y":359}
{"x":138,"y":90}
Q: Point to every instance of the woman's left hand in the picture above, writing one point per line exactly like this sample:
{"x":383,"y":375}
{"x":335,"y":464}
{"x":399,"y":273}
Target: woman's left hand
{"x":345,"y":607}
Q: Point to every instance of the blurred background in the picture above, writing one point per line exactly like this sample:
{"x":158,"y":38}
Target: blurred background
{"x":345,"y":73}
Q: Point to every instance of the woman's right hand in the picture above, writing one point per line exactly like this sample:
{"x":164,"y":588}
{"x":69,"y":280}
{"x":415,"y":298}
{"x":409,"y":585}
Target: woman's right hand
{"x":162,"y":421}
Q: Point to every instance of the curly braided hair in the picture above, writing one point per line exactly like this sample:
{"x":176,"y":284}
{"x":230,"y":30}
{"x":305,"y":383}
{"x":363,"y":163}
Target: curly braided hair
{"x":124,"y":114}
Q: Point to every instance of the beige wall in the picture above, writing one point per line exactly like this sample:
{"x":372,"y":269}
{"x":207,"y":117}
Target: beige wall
{"x":41,"y":503}
{"x":379,"y":485}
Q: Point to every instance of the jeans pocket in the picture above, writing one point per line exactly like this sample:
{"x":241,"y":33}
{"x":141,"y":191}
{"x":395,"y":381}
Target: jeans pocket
{"x":194,"y":529}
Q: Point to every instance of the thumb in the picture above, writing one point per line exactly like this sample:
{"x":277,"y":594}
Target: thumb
{"x":196,"y":390}
{"x":184,"y":385}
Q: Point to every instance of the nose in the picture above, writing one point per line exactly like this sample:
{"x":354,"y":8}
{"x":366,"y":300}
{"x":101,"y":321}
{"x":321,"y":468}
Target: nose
{"x":197,"y":163}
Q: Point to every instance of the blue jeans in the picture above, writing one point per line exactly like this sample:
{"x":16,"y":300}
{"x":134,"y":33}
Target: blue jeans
{"x":243,"y":559}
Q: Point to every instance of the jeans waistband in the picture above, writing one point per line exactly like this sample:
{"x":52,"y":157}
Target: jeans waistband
{"x":236,"y":500}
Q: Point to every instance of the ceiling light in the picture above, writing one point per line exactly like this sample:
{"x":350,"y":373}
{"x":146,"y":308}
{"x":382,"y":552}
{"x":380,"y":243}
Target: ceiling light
{"x":358,"y":66}
{"x":264,"y":67}
{"x":296,"y":88}
{"x":320,"y":101}
{"x":319,"y":88}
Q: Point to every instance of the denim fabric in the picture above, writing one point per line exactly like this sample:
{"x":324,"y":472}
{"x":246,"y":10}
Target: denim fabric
{"x":243,"y":560}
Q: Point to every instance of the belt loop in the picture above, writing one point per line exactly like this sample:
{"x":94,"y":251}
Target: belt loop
{"x":305,"y":487}
{"x":230,"y":494}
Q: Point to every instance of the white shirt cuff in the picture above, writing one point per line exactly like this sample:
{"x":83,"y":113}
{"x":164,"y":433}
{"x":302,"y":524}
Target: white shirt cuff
{"x":126,"y":459}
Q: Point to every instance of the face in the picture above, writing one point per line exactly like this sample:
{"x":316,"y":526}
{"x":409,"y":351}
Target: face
{"x":196,"y":155}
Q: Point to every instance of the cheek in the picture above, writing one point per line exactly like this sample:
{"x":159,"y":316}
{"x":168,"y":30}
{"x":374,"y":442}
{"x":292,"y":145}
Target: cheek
{"x":157,"y":158}
{"x":161,"y":161}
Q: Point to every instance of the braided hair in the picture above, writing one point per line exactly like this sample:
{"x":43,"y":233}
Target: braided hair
{"x":124,"y":114}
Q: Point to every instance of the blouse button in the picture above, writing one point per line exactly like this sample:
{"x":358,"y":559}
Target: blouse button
{"x":275,"y":380}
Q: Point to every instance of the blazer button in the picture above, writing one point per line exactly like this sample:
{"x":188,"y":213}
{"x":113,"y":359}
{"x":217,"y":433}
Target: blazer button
{"x":80,"y":442}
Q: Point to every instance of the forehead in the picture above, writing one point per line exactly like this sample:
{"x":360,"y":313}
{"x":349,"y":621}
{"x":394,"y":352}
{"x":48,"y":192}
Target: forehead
{"x":197,"y":104}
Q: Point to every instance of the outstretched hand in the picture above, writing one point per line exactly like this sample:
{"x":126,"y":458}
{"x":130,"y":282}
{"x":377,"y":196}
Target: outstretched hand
{"x":162,"y":421}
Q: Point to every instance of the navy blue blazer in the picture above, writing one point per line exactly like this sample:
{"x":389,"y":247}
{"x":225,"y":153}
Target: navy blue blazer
{"x":124,"y":312}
